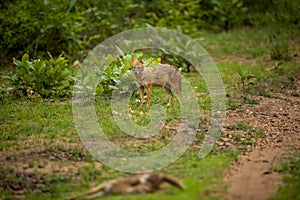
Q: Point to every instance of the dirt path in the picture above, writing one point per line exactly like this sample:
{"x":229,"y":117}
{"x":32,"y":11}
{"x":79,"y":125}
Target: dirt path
{"x":252,"y":176}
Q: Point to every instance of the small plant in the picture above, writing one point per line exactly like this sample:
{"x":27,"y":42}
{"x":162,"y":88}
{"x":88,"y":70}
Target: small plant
{"x":241,"y":126}
{"x":250,"y":100}
{"x":259,"y":133}
{"x":31,"y":164}
{"x":277,"y":65}
{"x":245,"y":77}
{"x":233,"y":104}
{"x":47,"y":78}
{"x":280,"y":48}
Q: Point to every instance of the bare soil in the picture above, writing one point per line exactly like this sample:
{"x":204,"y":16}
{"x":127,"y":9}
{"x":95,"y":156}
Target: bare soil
{"x":277,"y":118}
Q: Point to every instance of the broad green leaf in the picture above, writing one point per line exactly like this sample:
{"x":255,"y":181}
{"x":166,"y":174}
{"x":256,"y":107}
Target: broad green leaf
{"x":25,"y":58}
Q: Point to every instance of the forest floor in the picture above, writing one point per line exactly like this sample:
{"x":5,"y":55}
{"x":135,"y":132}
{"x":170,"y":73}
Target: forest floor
{"x":257,"y":173}
{"x":42,"y":156}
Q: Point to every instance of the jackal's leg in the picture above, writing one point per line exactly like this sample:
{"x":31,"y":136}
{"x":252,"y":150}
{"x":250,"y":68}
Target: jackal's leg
{"x":170,"y":94}
{"x":141,"y":95}
{"x":148,"y":94}
{"x":179,"y":92}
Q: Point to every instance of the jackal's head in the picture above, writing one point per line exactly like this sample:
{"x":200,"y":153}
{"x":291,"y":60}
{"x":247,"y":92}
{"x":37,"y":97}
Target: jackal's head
{"x":137,"y":66}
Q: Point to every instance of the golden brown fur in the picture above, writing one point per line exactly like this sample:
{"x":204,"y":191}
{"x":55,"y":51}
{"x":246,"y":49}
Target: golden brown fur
{"x":162,"y":75}
{"x":135,"y":184}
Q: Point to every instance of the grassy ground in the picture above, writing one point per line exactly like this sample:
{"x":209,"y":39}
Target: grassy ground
{"x":42,"y":155}
{"x":291,"y":170}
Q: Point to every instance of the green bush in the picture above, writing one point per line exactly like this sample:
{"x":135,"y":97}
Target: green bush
{"x":48,"y":78}
{"x":39,"y":26}
{"x":112,"y":74}
{"x":183,"y":16}
{"x":75,"y":26}
{"x":272,"y":12}
{"x":108,"y":78}
{"x":225,"y":14}
{"x":280,"y":47}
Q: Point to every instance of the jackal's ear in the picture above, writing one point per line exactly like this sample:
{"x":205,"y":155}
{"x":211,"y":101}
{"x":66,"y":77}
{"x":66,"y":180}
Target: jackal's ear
{"x":131,"y":59}
{"x":143,"y":60}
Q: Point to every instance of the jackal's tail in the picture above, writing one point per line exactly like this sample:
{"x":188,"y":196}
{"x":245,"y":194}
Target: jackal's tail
{"x":173,"y":181}
{"x":91,"y":194}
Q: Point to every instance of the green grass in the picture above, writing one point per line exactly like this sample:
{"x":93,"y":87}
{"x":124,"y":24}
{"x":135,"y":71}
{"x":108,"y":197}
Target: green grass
{"x":290,"y":189}
{"x":26,"y":124}
{"x":52,"y":123}
{"x":23,"y":119}
{"x":202,"y":178}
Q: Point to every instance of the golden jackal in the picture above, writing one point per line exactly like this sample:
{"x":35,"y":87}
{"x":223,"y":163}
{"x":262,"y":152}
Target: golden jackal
{"x":162,"y":75}
{"x":135,"y":184}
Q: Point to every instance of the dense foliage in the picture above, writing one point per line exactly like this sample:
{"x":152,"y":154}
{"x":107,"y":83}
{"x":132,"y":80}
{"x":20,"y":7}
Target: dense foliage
{"x":74,"y":26}
{"x":108,"y":77}
{"x":46,"y":78}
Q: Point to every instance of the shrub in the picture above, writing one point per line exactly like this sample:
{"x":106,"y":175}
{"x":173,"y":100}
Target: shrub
{"x":183,"y":16}
{"x":108,"y":78}
{"x":39,"y":26}
{"x":225,"y":13}
{"x":280,"y":47}
{"x":73,"y":26}
{"x":245,"y":77}
{"x":48,"y":78}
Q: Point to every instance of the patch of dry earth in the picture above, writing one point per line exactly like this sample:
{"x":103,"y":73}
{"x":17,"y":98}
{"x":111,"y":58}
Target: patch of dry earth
{"x":252,"y":175}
